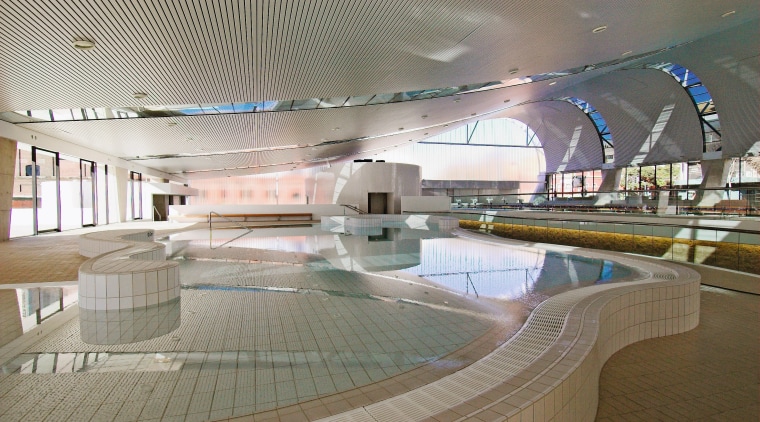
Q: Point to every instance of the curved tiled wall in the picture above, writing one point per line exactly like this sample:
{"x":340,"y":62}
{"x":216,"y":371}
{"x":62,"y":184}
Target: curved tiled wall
{"x":550,"y":369}
{"x":127,"y":270}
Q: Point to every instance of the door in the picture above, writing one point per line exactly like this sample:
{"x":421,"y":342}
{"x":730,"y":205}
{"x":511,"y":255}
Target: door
{"x":88,"y":196}
{"x":377,"y":202}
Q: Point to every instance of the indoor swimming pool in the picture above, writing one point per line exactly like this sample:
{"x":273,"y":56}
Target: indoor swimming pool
{"x":271,"y":317}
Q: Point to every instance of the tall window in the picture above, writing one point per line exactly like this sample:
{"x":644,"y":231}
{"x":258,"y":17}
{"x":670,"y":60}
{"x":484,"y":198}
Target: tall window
{"x":135,"y":195}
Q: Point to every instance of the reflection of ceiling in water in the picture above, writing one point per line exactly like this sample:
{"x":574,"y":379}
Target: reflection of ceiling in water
{"x":504,"y":272}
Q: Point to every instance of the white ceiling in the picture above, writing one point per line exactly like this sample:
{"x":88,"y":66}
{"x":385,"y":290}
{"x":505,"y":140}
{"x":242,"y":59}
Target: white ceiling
{"x":190,"y":52}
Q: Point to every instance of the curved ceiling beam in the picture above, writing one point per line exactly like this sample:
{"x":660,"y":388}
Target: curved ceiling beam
{"x":727,"y":63}
{"x":652,"y":119}
{"x":569,"y":139}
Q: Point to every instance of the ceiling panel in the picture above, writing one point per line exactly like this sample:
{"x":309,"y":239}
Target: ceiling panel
{"x":197,"y":51}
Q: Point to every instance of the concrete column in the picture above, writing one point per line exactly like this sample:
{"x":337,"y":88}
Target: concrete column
{"x":610,"y":183}
{"x":714,"y":175}
{"x":7,"y":167}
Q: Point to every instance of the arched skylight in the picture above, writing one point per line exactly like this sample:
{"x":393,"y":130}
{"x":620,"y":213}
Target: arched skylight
{"x":702,"y":100}
{"x":601,"y":126}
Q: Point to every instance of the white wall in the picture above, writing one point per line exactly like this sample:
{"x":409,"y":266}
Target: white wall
{"x":425,"y":203}
{"x":350,"y":183}
{"x":317,"y":210}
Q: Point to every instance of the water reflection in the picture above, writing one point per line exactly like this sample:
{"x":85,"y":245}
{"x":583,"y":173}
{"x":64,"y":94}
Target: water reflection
{"x":129,"y":325}
{"x":509,"y":272}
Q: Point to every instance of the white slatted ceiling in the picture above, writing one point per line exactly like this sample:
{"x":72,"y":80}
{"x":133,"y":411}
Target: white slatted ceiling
{"x":236,"y":50}
{"x":194,"y":51}
{"x":229,"y":132}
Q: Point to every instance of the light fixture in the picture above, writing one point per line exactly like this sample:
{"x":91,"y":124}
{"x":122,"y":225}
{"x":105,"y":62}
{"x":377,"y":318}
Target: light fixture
{"x":599,"y":29}
{"x":513,"y":71}
{"x":727,"y":14}
{"x":83,"y":44}
{"x":553,"y":83}
{"x":625,"y":53}
{"x":139,"y":95}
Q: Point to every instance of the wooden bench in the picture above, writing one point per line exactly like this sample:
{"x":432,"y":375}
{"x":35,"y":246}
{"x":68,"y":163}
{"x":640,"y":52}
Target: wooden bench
{"x":295,"y":216}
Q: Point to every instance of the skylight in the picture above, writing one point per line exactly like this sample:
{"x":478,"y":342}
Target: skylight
{"x":599,"y":123}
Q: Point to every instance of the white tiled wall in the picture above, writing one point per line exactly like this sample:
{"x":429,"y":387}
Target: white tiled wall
{"x":135,"y":276}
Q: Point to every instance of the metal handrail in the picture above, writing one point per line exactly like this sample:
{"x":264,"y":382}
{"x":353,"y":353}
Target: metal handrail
{"x":160,"y":217}
{"x":353,"y":208}
{"x":211,"y":230}
{"x":226,"y":218}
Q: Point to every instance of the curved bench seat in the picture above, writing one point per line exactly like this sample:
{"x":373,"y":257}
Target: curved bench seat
{"x":550,"y":369}
{"x":127,"y":270}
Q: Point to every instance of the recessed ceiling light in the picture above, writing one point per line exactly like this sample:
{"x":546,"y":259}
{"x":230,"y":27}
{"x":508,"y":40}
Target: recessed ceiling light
{"x":553,"y":83}
{"x":513,"y":71}
{"x":599,"y":29}
{"x":727,"y":14}
{"x":625,"y":53}
{"x":83,"y":44}
{"x":139,"y":95}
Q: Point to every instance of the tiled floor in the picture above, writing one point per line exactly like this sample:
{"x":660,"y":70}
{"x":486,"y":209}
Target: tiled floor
{"x":708,"y":373}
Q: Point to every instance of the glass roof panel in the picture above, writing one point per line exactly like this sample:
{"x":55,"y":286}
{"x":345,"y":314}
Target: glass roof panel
{"x":309,"y":104}
{"x":244,"y":107}
{"x":332,"y":102}
{"x":381,"y":99}
{"x":358,"y":100}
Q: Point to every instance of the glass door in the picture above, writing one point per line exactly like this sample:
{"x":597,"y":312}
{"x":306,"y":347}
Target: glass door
{"x":135,"y":194}
{"x":88,"y":192}
{"x":45,"y":190}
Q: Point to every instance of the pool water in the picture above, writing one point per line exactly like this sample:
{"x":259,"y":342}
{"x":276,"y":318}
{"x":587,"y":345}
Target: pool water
{"x":274,"y":317}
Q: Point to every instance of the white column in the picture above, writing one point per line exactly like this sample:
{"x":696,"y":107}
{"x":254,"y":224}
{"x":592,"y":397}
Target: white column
{"x":7,"y":167}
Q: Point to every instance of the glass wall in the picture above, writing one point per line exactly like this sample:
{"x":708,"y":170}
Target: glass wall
{"x":54,"y":192}
{"x":21,"y":197}
{"x":134,"y":196}
{"x":88,"y":189}
{"x":101,"y":194}
{"x":71,"y":195}
{"x":274,"y":188}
